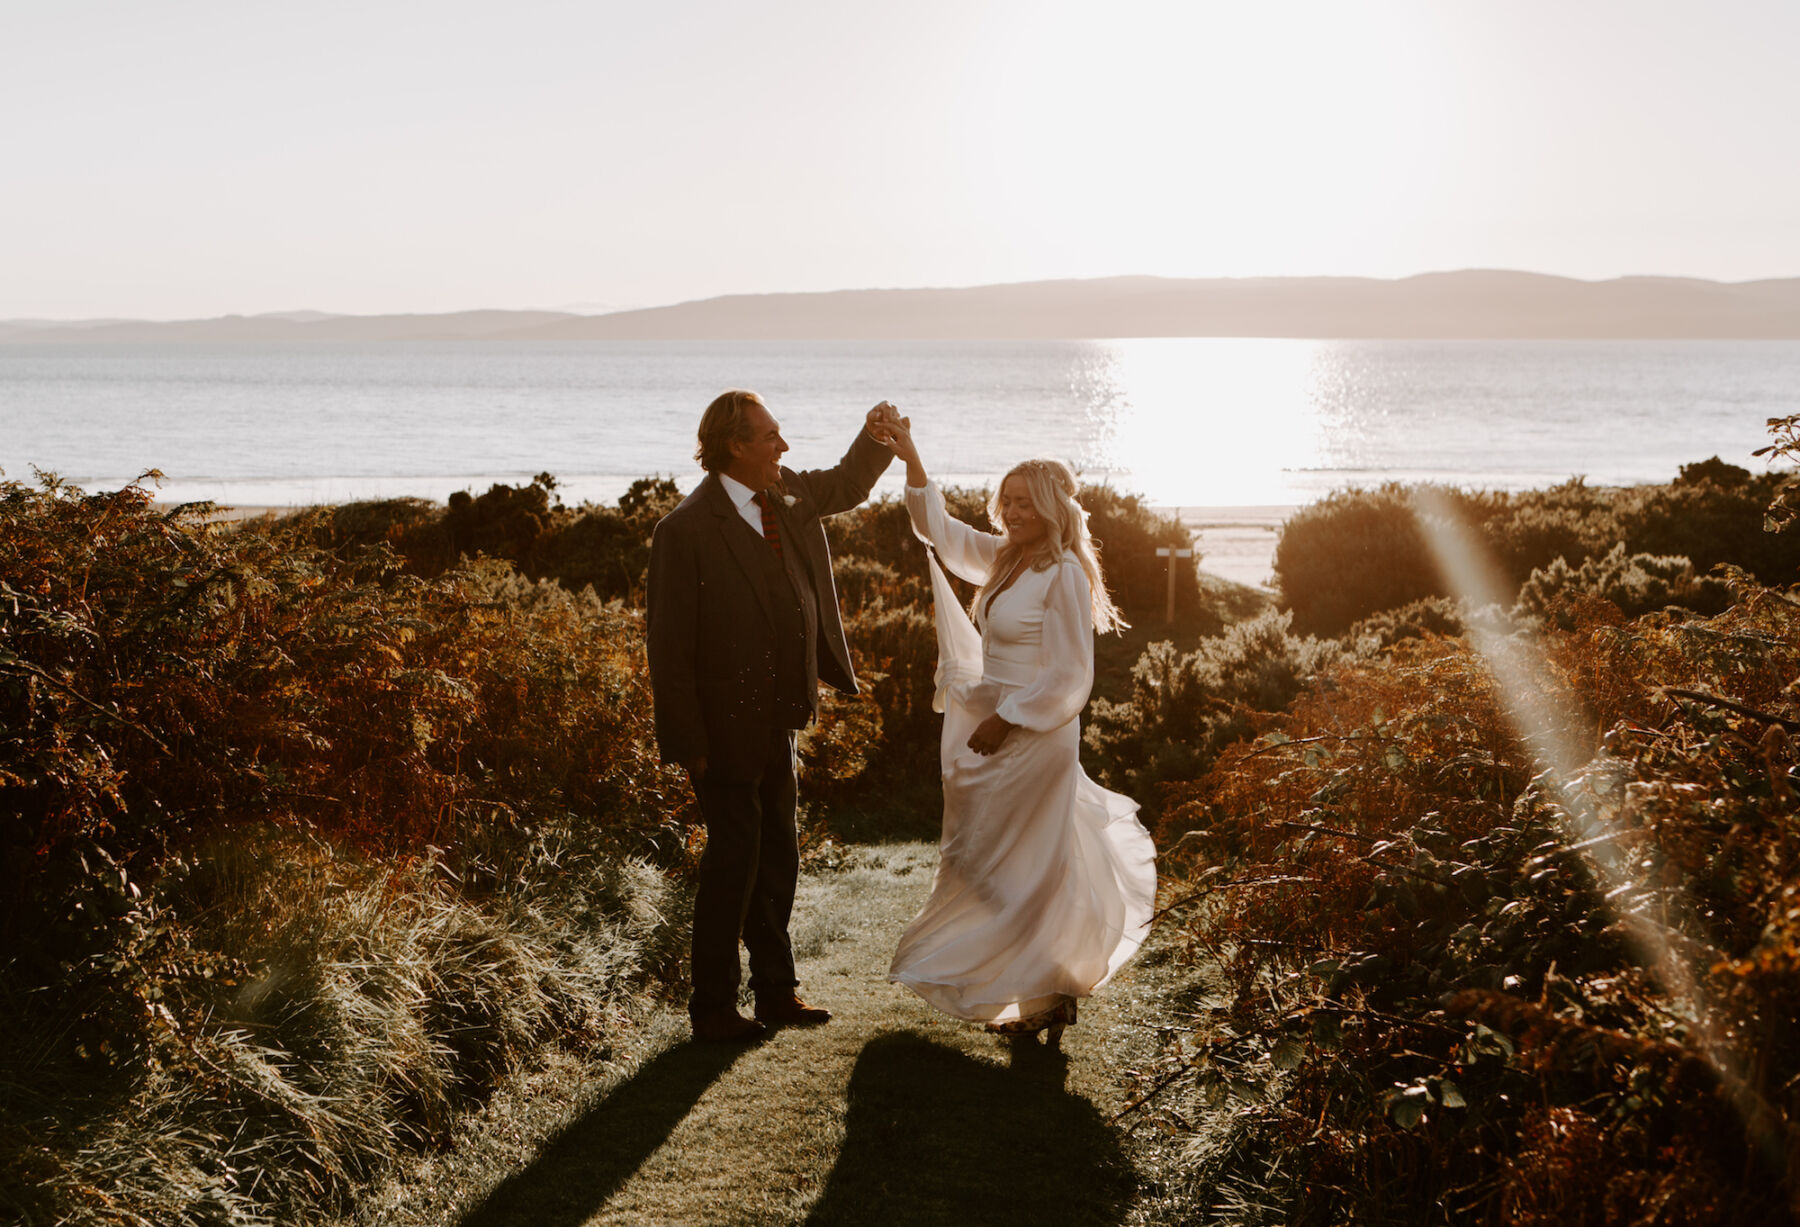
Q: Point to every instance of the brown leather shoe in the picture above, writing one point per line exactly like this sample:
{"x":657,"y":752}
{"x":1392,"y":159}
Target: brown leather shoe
{"x":787,"y":1010}
{"x":726,"y":1026}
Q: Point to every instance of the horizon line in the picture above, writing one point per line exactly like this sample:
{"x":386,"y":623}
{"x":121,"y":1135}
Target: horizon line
{"x":291,"y":312}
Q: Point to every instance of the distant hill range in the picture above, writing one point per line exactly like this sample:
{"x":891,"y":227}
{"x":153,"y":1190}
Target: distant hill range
{"x":1470,"y":304}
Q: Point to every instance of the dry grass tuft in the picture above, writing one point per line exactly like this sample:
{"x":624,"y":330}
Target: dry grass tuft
{"x":302,"y":853}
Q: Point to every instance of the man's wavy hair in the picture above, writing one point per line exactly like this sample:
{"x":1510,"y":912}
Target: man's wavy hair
{"x":723,"y":424}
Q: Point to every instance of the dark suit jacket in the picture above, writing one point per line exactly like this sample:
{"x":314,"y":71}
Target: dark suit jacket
{"x":711,"y":631}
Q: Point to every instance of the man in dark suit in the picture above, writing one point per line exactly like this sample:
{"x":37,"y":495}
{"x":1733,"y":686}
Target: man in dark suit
{"x":743,"y":625}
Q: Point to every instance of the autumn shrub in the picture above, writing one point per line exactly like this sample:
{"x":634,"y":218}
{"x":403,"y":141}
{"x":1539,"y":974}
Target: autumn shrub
{"x":169,"y":676}
{"x":1435,"y":615}
{"x":1717,"y":472}
{"x":605,"y":548}
{"x":1357,"y":553}
{"x":415,"y":523}
{"x":504,"y":522}
{"x":1183,"y":709}
{"x":1469,"y":982}
{"x":1712,"y":514}
{"x":449,"y":781}
{"x":1636,"y":583}
{"x":865,"y":583}
{"x":1351,"y":554}
{"x":871,"y":760}
{"x":1529,"y":529}
{"x":1129,"y":532}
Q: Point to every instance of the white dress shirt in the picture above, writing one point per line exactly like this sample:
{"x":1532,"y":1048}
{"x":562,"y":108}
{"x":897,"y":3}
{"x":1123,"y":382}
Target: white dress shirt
{"x":744,"y":499}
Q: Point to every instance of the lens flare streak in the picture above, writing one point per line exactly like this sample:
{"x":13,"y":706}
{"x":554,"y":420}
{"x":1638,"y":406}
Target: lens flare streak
{"x":1549,"y":723}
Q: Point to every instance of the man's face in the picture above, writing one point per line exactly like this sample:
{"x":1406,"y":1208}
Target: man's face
{"x":756,"y":461}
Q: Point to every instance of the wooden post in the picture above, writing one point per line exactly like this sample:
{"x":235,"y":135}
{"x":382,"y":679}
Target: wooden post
{"x":1172,"y":552}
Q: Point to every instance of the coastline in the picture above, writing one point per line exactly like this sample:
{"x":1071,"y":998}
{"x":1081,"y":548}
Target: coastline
{"x":1235,"y":543}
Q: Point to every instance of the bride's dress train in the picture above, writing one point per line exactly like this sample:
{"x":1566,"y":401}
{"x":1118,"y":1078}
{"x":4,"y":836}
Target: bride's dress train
{"x":1046,"y":882}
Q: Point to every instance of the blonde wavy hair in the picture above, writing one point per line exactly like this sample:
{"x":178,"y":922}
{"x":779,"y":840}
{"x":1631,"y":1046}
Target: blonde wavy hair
{"x":1052,"y":487}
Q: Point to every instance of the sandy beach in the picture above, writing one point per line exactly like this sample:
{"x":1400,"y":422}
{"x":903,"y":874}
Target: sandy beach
{"x":1236,"y":543}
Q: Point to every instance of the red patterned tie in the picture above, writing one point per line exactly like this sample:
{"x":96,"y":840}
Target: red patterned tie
{"x":771,"y":532}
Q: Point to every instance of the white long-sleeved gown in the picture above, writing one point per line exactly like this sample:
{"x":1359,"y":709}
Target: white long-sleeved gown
{"x":1046,"y":882}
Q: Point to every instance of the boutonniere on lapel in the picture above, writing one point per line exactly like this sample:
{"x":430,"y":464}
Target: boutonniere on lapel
{"x":780,"y":491}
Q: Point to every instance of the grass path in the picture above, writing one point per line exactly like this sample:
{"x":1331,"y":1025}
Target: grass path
{"x":891,"y":1113}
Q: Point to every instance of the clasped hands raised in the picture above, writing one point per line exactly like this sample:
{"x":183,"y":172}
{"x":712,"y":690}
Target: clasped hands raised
{"x":884,"y":423}
{"x":888,"y":427}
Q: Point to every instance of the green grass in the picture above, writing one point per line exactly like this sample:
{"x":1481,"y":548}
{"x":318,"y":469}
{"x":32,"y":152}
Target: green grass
{"x":375,"y":1008}
{"x":891,"y":1113}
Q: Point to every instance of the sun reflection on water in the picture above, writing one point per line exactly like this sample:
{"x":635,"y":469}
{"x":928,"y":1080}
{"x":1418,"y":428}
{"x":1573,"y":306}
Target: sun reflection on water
{"x":1230,"y":418}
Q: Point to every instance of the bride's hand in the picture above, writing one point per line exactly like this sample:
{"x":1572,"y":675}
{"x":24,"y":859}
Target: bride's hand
{"x":989,"y":734}
{"x":878,"y":420}
{"x":898,"y":437}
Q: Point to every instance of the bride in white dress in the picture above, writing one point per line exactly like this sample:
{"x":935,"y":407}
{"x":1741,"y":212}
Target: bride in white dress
{"x":1046,"y":882}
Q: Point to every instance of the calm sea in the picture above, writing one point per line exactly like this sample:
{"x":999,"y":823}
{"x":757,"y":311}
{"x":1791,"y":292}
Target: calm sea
{"x":1183,"y":421}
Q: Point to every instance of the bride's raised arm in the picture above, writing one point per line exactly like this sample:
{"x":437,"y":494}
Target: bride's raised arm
{"x":965,"y":551}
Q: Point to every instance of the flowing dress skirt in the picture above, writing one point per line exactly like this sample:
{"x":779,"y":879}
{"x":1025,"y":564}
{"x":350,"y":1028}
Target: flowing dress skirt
{"x":1046,"y":882}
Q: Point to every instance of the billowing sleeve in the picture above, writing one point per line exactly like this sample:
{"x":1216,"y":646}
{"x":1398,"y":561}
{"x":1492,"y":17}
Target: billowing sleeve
{"x":1065,"y":657}
{"x":967,"y":552}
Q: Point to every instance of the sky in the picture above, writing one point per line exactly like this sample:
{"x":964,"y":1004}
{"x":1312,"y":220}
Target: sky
{"x":189,"y":159}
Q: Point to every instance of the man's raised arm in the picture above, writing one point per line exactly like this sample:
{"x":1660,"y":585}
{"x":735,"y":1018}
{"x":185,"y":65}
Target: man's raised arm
{"x":848,"y":484}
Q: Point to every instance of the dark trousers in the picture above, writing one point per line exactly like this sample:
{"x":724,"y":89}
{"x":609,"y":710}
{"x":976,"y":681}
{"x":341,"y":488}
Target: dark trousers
{"x":747,"y":878}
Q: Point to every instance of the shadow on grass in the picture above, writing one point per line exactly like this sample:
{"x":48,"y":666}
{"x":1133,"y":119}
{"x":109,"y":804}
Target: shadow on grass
{"x":894,"y":814}
{"x":575,"y":1175}
{"x":934,"y":1136}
